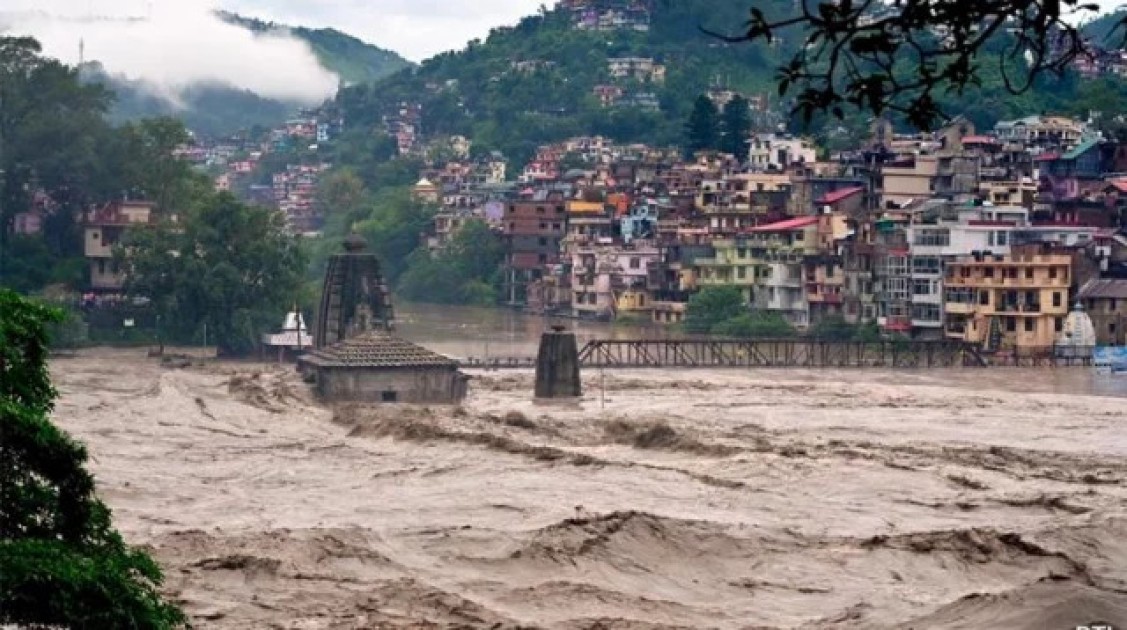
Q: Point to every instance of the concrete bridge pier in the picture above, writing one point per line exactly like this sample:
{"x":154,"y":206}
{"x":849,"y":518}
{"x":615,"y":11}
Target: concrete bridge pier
{"x":557,"y":365}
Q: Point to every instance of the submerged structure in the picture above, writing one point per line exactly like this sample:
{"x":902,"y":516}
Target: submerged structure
{"x":557,"y":365}
{"x":356,"y":357}
{"x":354,"y":297}
{"x":292,"y":340}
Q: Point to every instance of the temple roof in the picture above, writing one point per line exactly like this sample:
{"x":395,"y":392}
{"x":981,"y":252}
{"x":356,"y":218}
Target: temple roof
{"x":376,"y":349}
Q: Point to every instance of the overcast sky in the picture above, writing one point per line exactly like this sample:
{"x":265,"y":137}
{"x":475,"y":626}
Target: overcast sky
{"x":180,"y":42}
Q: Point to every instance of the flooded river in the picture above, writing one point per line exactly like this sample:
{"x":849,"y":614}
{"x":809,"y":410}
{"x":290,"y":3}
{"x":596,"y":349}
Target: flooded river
{"x":733,"y":499}
{"x":479,"y":332}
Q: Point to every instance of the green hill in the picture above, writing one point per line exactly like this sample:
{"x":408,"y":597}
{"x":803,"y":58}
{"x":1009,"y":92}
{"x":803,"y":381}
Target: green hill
{"x":534,"y":82}
{"x":354,"y":60}
{"x":485,"y":92}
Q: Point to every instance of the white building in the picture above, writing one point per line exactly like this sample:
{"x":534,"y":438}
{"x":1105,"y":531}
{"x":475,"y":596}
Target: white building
{"x":770,"y":152}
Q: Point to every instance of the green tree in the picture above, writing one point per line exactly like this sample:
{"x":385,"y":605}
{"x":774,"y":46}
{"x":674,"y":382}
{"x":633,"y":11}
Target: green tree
{"x":904,"y":60}
{"x":833,"y":328}
{"x":232,"y":267}
{"x":757,"y":324}
{"x":466,"y":271}
{"x":51,"y":128}
{"x":161,"y":176}
{"x":711,"y":306}
{"x":736,"y":128}
{"x":394,"y":227}
{"x":62,"y":564}
{"x":341,"y":191}
{"x":703,"y":128}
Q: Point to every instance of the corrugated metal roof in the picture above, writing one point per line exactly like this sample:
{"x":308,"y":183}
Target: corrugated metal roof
{"x":1080,"y":149}
{"x":376,"y":349}
{"x":783,"y":226}
{"x":838,"y":195}
{"x":1107,"y":288}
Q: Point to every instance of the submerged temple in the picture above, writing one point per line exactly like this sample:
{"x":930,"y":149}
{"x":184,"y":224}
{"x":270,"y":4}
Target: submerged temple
{"x":354,"y":297}
{"x":356,"y":357}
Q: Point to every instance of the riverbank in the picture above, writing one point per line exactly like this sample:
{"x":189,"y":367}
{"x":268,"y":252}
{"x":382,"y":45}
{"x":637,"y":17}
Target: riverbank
{"x":772,"y":498}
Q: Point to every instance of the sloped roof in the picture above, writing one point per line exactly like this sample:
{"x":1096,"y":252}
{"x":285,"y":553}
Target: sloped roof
{"x":1108,"y":288}
{"x":1081,"y":149}
{"x":376,"y":349}
{"x":783,"y":226}
{"x":838,"y":195}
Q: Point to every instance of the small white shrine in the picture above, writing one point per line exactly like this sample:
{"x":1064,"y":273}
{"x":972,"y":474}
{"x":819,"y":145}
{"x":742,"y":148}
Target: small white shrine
{"x":293,"y":339}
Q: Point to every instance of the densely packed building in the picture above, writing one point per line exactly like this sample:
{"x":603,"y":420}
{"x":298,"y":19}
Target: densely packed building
{"x":985,"y":237}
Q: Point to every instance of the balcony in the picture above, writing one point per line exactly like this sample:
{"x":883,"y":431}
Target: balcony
{"x":960,"y":308}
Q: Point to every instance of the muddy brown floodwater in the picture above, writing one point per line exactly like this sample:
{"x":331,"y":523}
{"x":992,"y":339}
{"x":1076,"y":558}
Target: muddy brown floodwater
{"x":717,"y":498}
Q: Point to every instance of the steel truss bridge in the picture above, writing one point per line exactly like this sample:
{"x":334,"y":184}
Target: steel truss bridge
{"x":785,"y":353}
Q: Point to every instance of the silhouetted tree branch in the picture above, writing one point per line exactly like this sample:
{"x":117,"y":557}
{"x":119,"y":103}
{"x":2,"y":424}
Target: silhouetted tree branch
{"x":901,"y":56}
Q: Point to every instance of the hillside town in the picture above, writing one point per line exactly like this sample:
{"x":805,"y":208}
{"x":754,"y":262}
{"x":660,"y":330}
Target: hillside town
{"x":990,"y":237}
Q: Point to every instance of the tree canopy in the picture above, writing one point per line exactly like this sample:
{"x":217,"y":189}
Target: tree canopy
{"x":61,"y":561}
{"x":905,"y":56}
{"x":225,"y":265}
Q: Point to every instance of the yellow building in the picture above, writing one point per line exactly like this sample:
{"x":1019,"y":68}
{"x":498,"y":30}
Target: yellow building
{"x":1018,"y":301}
{"x":732,"y":265}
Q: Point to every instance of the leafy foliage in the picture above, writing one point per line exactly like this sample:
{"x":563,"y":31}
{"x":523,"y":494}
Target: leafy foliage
{"x":835,"y":328}
{"x":903,"y":57}
{"x":61,"y":561}
{"x":713,"y":305}
{"x":755,"y":325}
{"x":703,"y":128}
{"x":467,"y":271}
{"x":226,"y":265}
{"x":735,"y":128}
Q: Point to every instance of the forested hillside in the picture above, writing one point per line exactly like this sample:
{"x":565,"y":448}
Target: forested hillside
{"x":481,"y":92}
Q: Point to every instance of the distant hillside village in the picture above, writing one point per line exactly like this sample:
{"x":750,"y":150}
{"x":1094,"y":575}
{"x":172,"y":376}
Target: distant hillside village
{"x":989,"y":236}
{"x":986,"y":237}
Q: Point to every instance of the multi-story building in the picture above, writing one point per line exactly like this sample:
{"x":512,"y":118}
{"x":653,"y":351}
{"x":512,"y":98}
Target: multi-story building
{"x":781,"y":249}
{"x":1105,"y":301}
{"x":531,"y":229}
{"x":770,"y":152}
{"x":1016,"y":301}
{"x":103,"y":231}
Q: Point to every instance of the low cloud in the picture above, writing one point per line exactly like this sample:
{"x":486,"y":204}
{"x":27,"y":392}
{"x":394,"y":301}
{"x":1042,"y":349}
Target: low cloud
{"x":171,"y":46}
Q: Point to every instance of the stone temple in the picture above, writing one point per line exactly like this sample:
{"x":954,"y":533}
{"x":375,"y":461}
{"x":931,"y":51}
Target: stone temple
{"x":356,"y":357}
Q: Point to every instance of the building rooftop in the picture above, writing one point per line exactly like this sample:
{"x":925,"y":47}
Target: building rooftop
{"x":376,"y":349}
{"x":838,"y":195}
{"x":1107,"y":288}
{"x":783,"y":226}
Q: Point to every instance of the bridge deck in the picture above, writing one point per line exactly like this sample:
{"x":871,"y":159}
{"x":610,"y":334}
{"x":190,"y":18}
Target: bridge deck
{"x":765,"y":353}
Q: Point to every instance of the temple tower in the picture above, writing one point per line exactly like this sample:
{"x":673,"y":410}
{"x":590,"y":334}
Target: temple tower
{"x":354,"y":298}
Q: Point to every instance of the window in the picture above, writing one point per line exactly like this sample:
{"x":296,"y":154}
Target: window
{"x":1028,"y":273}
{"x":1011,"y":273}
{"x":932,"y":238}
{"x":1052,"y":273}
{"x":925,"y":265}
{"x":635,"y":263}
{"x":921,"y":287}
{"x":389,"y":396}
{"x":988,"y":272}
{"x":1058,"y":324}
{"x":829,"y":271}
{"x":1111,"y":328}
{"x":1002,"y":238}
{"x":1029,"y":324}
{"x":741,"y":272}
{"x":1056,"y":299}
{"x":1011,"y":324}
{"x":984,"y":297}
{"x":741,"y":252}
{"x":798,"y":236}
